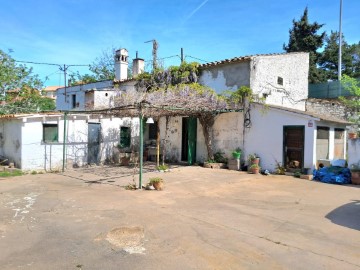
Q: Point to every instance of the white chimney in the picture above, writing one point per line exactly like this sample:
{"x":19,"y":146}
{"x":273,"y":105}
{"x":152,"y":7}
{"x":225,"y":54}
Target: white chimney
{"x":138,"y":66}
{"x":121,"y":64}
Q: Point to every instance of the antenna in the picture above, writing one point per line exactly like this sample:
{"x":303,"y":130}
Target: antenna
{"x":154,"y":52}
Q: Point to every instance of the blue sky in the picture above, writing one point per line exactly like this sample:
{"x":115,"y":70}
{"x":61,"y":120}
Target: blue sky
{"x":77,"y":31}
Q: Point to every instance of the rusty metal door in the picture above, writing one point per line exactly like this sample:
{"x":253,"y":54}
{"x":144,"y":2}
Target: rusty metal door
{"x":294,"y":138}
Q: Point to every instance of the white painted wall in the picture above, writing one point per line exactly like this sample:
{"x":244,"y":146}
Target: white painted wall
{"x":173,"y":138}
{"x":292,"y":67}
{"x":22,"y":140}
{"x":229,"y":76}
{"x":63,"y":102}
{"x":265,"y":137}
{"x":353,"y":151}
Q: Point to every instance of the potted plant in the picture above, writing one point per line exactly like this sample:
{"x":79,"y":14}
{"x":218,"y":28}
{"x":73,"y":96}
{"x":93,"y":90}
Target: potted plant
{"x":157,"y":182}
{"x":253,"y":159}
{"x":255,"y":168}
{"x":219,"y":161}
{"x":355,"y":173}
{"x":353,"y":132}
{"x":236,"y":153}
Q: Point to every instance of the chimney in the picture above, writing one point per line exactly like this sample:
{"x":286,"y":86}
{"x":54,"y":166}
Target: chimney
{"x":121,"y":64}
{"x":138,"y":66}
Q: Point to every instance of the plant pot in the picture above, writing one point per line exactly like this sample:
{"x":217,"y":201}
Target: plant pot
{"x":255,"y":161}
{"x":352,"y":135}
{"x":355,"y":178}
{"x":255,"y":170}
{"x":158,"y":185}
{"x":236,"y":155}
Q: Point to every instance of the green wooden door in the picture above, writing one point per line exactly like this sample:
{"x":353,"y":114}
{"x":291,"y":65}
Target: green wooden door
{"x":192,"y":127}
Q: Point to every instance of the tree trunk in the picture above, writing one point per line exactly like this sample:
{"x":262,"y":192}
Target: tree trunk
{"x":207,"y":122}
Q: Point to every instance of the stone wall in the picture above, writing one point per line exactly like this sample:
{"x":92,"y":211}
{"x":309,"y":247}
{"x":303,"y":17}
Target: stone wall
{"x":331,"y":107}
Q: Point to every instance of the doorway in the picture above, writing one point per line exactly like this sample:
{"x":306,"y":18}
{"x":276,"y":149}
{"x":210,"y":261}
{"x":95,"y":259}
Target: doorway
{"x":93,"y":142}
{"x":293,"y":149}
{"x":189,"y":134}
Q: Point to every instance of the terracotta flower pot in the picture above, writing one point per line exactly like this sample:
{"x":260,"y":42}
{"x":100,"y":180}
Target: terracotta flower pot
{"x":355,"y":178}
{"x":158,"y":185}
{"x":352,"y":135}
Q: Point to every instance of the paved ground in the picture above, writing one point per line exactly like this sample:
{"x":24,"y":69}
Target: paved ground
{"x":204,"y":219}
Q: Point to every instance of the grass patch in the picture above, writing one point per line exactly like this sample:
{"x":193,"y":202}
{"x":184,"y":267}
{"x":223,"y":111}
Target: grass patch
{"x":9,"y":174}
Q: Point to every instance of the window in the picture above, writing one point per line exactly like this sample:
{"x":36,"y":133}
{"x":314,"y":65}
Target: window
{"x":73,"y":101}
{"x":50,"y":133}
{"x":339,"y":133}
{"x":280,"y":81}
{"x":125,"y":137}
{"x":323,"y":133}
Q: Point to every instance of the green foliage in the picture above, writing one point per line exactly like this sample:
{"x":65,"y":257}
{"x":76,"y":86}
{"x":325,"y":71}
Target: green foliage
{"x":280,"y":169}
{"x":238,"y":96}
{"x":155,"y":180}
{"x":16,"y":77}
{"x":162,"y":167}
{"x":252,"y":157}
{"x":12,"y":173}
{"x":353,"y":102}
{"x":255,"y":166}
{"x":297,"y":174}
{"x":186,"y":73}
{"x":330,"y":57}
{"x":303,"y":37}
{"x":219,"y":158}
{"x":102,"y":69}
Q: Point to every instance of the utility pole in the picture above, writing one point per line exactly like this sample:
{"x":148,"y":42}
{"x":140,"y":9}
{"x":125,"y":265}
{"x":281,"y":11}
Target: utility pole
{"x":154,"y":52}
{"x":182,"y":55}
{"x":340,"y":48}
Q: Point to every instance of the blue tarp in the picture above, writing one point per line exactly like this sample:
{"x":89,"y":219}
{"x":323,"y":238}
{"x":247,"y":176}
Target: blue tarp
{"x":333,"y":175}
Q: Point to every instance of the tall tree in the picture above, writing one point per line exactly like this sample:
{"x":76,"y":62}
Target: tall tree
{"x":16,"y":77}
{"x":329,"y":60}
{"x":304,"y":37}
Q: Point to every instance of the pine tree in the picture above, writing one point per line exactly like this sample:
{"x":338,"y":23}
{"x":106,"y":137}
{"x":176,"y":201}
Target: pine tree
{"x":304,"y":38}
{"x":329,"y":60}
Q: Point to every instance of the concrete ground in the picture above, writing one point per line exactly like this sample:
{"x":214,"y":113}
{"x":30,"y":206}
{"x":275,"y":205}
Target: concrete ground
{"x":203,"y":219}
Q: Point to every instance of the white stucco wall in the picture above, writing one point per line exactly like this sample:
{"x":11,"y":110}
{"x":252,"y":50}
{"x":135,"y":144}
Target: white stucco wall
{"x":265,"y":137}
{"x":64,"y":102}
{"x":10,"y":140}
{"x":227,"y":136}
{"x":353,"y":152}
{"x":22,"y":140}
{"x":293,"y":68}
{"x":229,"y":76}
{"x":173,"y":138}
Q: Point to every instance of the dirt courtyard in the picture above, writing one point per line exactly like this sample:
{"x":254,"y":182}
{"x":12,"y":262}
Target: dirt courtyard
{"x":203,"y":219}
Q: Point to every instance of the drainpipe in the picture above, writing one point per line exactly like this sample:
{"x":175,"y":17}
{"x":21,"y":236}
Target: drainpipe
{"x":141,"y":151}
{"x":64,"y":142}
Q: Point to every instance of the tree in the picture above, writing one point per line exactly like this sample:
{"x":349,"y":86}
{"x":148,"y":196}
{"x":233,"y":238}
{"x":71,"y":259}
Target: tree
{"x":25,"y":96}
{"x":102,"y":69}
{"x":304,"y":38}
{"x":353,"y":102}
{"x":16,"y":77}
{"x":329,"y":60}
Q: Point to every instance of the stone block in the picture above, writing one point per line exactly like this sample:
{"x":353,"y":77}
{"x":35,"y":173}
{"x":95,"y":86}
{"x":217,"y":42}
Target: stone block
{"x":306,"y":176}
{"x":234,"y":164}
